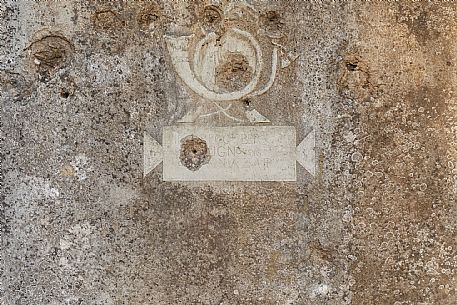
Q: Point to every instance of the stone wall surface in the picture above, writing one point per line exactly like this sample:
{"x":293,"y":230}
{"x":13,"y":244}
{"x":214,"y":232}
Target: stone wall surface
{"x":96,"y":94}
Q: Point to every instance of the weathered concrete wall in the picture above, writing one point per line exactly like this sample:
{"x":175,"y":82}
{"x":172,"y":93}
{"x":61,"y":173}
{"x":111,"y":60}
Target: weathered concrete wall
{"x":84,"y":84}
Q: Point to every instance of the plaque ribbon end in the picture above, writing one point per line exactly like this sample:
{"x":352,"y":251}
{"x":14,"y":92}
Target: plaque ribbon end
{"x":306,"y":155}
{"x":153,"y":154}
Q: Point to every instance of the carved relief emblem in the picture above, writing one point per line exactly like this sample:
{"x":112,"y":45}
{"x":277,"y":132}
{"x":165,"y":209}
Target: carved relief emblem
{"x":232,"y":54}
{"x":223,"y":58}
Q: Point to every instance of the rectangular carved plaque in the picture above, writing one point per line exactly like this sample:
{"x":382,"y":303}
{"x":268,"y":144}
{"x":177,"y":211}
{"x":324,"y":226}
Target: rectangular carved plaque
{"x":242,"y":153}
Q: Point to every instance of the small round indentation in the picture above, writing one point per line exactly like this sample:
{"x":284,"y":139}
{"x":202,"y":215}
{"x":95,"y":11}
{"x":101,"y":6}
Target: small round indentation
{"x":64,"y":93}
{"x":149,"y":16}
{"x":234,"y":73}
{"x":50,"y":53}
{"x":247,"y":104}
{"x":211,"y":18}
{"x":352,"y":66}
{"x":273,"y":24}
{"x":194,"y":152}
{"x":107,"y":20}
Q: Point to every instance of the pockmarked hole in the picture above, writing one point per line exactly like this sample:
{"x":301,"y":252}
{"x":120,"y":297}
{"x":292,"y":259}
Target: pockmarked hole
{"x":107,"y":20}
{"x":211,"y":18}
{"x":194,"y":152}
{"x":233,"y":73}
{"x":149,"y":15}
{"x":351,"y":66}
{"x":273,"y":23}
{"x":50,"y":53}
{"x":64,"y":93}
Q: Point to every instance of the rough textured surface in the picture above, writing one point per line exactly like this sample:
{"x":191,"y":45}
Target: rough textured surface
{"x":81,"y":81}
